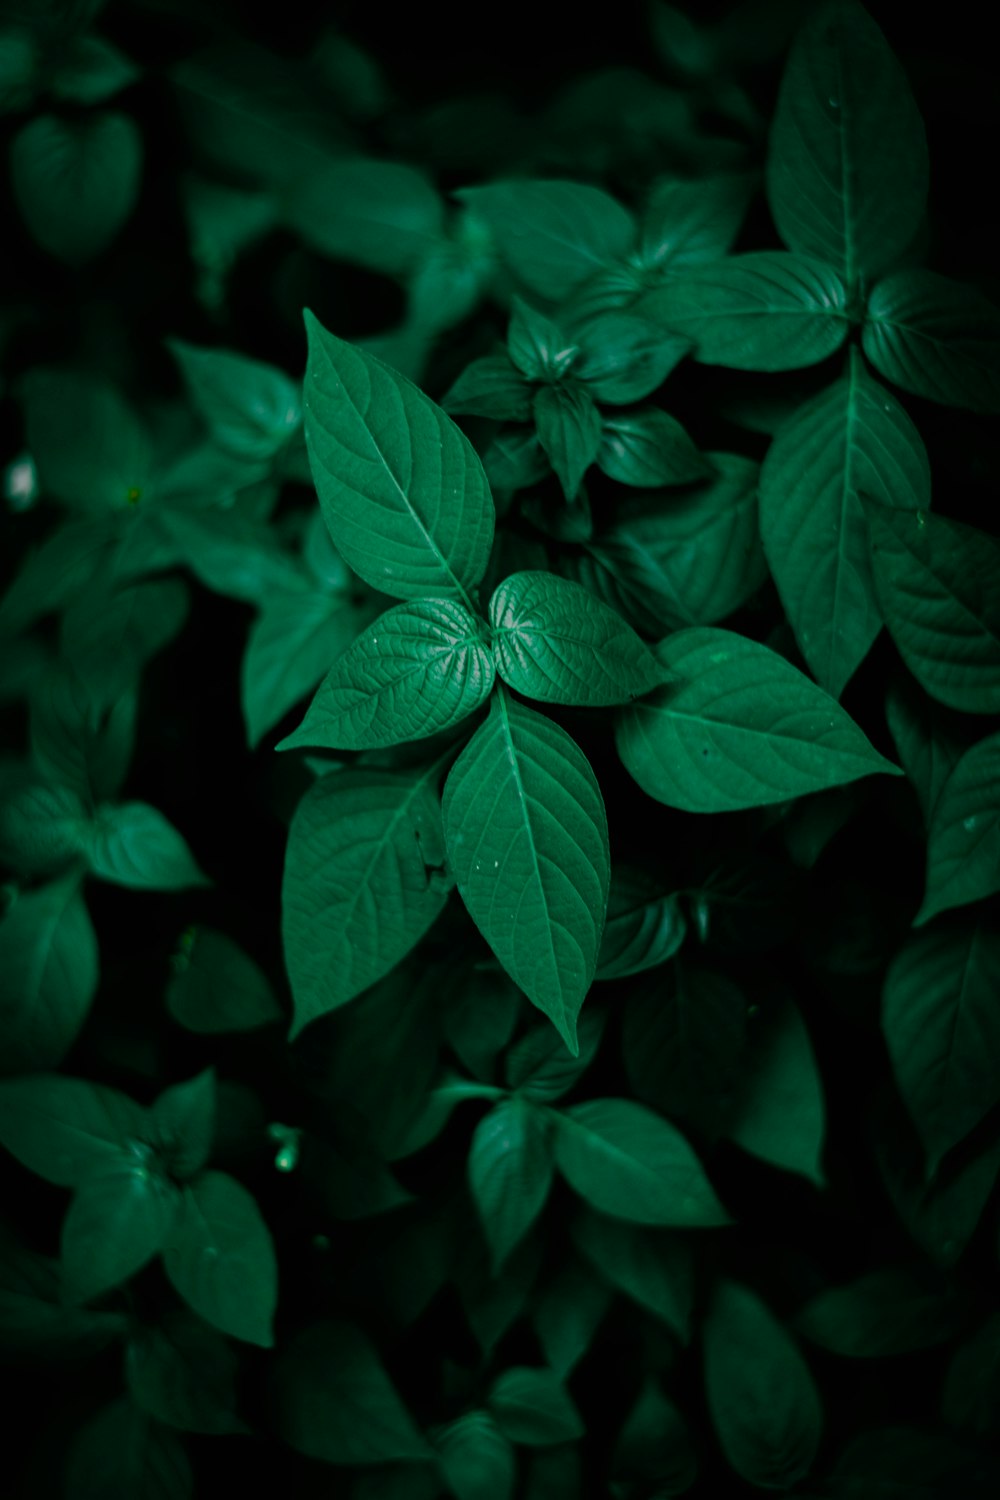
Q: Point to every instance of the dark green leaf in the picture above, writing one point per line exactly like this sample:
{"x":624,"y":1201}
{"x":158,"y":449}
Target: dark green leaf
{"x":768,"y":310}
{"x":510,"y":1173}
{"x":764,"y":1406}
{"x":738,"y":726}
{"x":124,"y":1454}
{"x":540,"y":1068}
{"x":35,"y":1323}
{"x":107,"y":639}
{"x":49,"y":963}
{"x":569,"y":429}
{"x":182,"y":1124}
{"x":854,"y":436}
{"x":131,"y":844}
{"x":382,"y":215}
{"x":91,"y":69}
{"x":217,"y":987}
{"x":533,"y":1407}
{"x":476,"y":1460}
{"x":67,"y":1130}
{"x":963,"y":841}
{"x":515,"y":460}
{"x":220,"y":1258}
{"x":118,"y":1221}
{"x":362,"y":883}
{"x":645,"y":925}
{"x":43,"y":827}
{"x":686,"y":221}
{"x":402,"y":489}
{"x":627,"y":1162}
{"x":91,"y":451}
{"x":491,"y":387}
{"x":779,"y":1113}
{"x":555,"y":642}
{"x":935,"y":337}
{"x":972,"y":1384}
{"x":926,"y":743}
{"x":53,"y":574}
{"x":895,"y":1310}
{"x":77,"y":740}
{"x":537,"y":346}
{"x":568,"y":1313}
{"x":653,"y":1267}
{"x":76,"y":181}
{"x":624,"y":358}
{"x":183,"y":1373}
{"x":655,"y":1444}
{"x":527,"y":840}
{"x":232,"y":554}
{"x":647,"y":448}
{"x":250,"y":408}
{"x":289,"y":649}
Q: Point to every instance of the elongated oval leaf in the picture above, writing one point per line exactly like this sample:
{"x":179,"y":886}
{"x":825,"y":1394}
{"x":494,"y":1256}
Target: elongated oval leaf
{"x":118,"y":1220}
{"x":645,"y":925}
{"x":132,"y":844}
{"x":65,"y":1129}
{"x":847,"y":168}
{"x":768,"y":310}
{"x":49,"y":964}
{"x":654,"y":1267}
{"x":250,"y":408}
{"x":527,"y":840}
{"x":629,"y":1163}
{"x":401,"y":487}
{"x":936,"y":338}
{"x":476,"y":1458}
{"x":938,"y":587}
{"x":555,"y":642}
{"x":217,"y":987}
{"x":290,"y":646}
{"x":764,"y":1406}
{"x":569,"y":429}
{"x":779,"y":1112}
{"x":738,"y":726}
{"x":648,"y":448}
{"x":510,"y":1172}
{"x":963,"y":848}
{"x":894,"y":1310}
{"x":533,"y":1407}
{"x":76,"y":181}
{"x":419,"y":668}
{"x":362,"y":884}
{"x":853,"y":436}
{"x":220,"y":1257}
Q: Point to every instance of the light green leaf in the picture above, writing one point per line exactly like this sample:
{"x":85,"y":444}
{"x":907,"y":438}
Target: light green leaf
{"x":627,"y":1162}
{"x":491,"y":387}
{"x":738,"y":726}
{"x":43,"y":827}
{"x":66,"y":1130}
{"x":654,"y":1267}
{"x":764,"y":1406}
{"x":553,"y":234}
{"x":132,"y":844}
{"x":182,"y":1124}
{"x":533,"y":1407}
{"x":418,"y":669}
{"x":334,"y":1401}
{"x":217,"y":987}
{"x":125,"y":1452}
{"x":118,"y":1221}
{"x":645,"y":925}
{"x":941,"y":1026}
{"x":76,"y":181}
{"x":890,"y":1311}
{"x":847,"y":168}
{"x":624,"y":358}
{"x":779,"y":1112}
{"x":383,"y":215}
{"x":90,"y":449}
{"x":401,"y":487}
{"x":476,"y":1460}
{"x":935,"y":337}
{"x":647,"y":448}
{"x":290,"y":646}
{"x":362,"y":883}
{"x":510,"y":1173}
{"x":220,"y":1258}
{"x":938,"y":587}
{"x":556,"y":643}
{"x":854,"y":436}
{"x":768,"y":310}
{"x":183,"y":1373}
{"x":963,"y":842}
{"x":250,"y":408}
{"x":526,"y":835}
{"x":49,"y":963}
{"x":569,"y":429}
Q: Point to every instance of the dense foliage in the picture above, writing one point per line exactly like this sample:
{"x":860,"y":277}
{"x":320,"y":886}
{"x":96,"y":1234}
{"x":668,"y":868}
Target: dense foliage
{"x":500,"y":810}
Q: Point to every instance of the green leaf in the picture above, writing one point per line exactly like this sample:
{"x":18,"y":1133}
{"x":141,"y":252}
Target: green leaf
{"x":526,"y":835}
{"x":853,"y":437}
{"x":334,"y":1401}
{"x":552,"y":234}
{"x":90,"y":449}
{"x":768,"y":310}
{"x":683,"y":1040}
{"x":124,"y":1452}
{"x":183,"y":1373}
{"x":647,"y":448}
{"x":50,"y":967}
{"x":972,"y":1383}
{"x":689,"y":220}
{"x":107,"y":638}
{"x":220,"y":1258}
{"x":401,"y":487}
{"x":491,"y":387}
{"x":43,"y":827}
{"x":940,"y":1022}
{"x":568,"y":1313}
{"x":289,"y":649}
{"x":627,"y":1162}
{"x":936,"y":338}
{"x":569,"y":429}
{"x":76,"y":181}
{"x":131,"y":844}
{"x":418,"y":669}
{"x":53,"y":574}
{"x":232,"y":554}
{"x":540,"y":1068}
{"x":515,"y":460}
{"x":963,"y":841}
{"x":938,"y":587}
{"x":476,"y":1460}
{"x":533,"y":1407}
{"x":383,"y":215}
{"x":891,"y":1311}
{"x":510,"y":1173}
{"x":118,"y":1221}
{"x":362,"y":883}
{"x":655,"y":1444}
{"x":217,"y":987}
{"x":250,"y":409}
{"x":182,"y":1124}
{"x":925,"y":742}
{"x":738,"y":726}
{"x":653,"y":1267}
{"x":847,"y":169}
{"x":79,"y":741}
{"x":779,"y":1113}
{"x":91,"y":69}
{"x":66,"y":1130}
{"x":624,"y":358}
{"x":691,"y":561}
{"x":556,"y":643}
{"x":536,"y":345}
{"x":764,"y":1406}
{"x":645,"y":925}
{"x":35,"y":1323}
